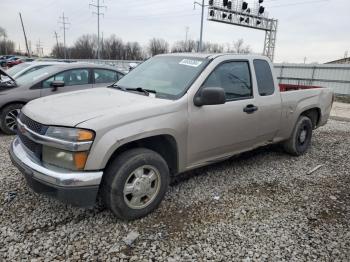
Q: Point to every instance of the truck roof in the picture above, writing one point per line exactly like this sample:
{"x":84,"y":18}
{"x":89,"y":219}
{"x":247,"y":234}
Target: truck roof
{"x":214,"y":55}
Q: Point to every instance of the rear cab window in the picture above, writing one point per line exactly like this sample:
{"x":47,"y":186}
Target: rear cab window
{"x":266,"y":86}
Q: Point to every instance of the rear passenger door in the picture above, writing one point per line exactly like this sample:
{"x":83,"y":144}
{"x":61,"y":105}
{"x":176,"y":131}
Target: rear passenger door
{"x":105,"y":77}
{"x":74,"y":79}
{"x":268,"y":100}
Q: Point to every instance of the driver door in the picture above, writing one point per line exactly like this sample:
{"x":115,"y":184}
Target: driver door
{"x":74,"y":79}
{"x":217,"y":131}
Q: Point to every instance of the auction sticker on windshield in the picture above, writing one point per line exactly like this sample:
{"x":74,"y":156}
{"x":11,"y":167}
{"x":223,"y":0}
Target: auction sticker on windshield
{"x":190,"y":62}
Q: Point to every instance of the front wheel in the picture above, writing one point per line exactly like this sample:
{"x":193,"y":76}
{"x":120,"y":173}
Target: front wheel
{"x":8,"y":118}
{"x":300,"y":140}
{"x":135,"y":183}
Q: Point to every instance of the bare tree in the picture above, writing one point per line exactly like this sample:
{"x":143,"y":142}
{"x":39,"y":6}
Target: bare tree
{"x":84,"y":47}
{"x":113,"y":48}
{"x":57,"y":51}
{"x":184,"y":46}
{"x":157,"y":46}
{"x":3,"y":32}
{"x":6,"y":46}
{"x":212,"y":47}
{"x":240,"y":48}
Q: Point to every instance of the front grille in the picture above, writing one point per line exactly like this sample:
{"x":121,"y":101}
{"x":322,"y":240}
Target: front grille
{"x":36,"y":127}
{"x":32,"y":146}
{"x":33,"y":125}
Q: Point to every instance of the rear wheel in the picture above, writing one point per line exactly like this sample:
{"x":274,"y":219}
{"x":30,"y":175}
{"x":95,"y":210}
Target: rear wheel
{"x":135,"y":183}
{"x":8,"y":118}
{"x":300,"y":140}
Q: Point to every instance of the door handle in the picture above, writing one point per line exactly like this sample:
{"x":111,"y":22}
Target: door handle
{"x":249,"y":109}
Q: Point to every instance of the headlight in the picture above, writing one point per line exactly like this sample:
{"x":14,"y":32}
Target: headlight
{"x":70,"y":134}
{"x":63,"y":158}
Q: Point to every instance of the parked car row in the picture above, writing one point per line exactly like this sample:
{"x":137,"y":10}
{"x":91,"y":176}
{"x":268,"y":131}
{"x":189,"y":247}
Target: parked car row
{"x":11,"y":60}
{"x":29,"y":81}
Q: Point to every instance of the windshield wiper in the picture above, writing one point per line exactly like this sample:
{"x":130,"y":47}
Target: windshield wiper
{"x":138,"y":89}
{"x":143,"y":90}
{"x":117,"y":87}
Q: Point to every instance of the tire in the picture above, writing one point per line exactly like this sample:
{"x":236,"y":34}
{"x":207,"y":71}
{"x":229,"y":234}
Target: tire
{"x":128,"y":177}
{"x":300,"y":140}
{"x":8,"y":117}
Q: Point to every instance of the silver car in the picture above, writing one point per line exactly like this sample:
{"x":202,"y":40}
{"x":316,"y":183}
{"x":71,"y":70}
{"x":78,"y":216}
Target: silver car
{"x":48,"y":81}
{"x":28,"y":67}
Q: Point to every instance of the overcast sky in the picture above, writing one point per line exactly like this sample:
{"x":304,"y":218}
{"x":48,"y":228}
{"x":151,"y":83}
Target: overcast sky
{"x":316,"y":29}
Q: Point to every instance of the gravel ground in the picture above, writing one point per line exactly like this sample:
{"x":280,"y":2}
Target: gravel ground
{"x":259,"y":206}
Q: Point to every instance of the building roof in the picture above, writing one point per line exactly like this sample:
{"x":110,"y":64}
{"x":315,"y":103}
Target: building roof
{"x":345,"y":60}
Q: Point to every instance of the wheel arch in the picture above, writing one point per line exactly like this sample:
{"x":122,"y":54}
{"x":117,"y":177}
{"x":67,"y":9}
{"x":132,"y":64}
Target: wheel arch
{"x":164,"y":144}
{"x":11,"y":103}
{"x":314,"y":114}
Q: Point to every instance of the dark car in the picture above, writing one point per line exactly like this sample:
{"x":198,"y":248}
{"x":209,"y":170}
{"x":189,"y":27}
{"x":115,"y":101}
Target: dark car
{"x":48,"y":81}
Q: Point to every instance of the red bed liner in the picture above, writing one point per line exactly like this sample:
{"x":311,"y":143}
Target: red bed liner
{"x":290,"y":87}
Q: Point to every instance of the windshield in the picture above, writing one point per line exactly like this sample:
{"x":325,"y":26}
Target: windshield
{"x":15,"y":69}
{"x":168,"y":76}
{"x":35,"y":75}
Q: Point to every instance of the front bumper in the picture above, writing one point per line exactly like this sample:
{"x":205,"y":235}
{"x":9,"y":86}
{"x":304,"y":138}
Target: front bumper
{"x":76,"y":188}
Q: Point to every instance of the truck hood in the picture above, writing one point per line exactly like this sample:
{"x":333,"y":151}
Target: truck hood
{"x":71,"y":109}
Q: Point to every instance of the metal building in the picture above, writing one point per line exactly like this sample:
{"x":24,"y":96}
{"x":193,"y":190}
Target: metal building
{"x":335,"y":76}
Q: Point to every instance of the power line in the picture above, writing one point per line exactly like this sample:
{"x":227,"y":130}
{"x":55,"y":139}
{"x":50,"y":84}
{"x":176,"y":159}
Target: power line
{"x":98,"y":13}
{"x":39,"y":48}
{"x":63,"y":20}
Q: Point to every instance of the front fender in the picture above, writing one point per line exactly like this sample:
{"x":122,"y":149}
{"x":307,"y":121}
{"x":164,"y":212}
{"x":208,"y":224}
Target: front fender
{"x":107,"y":143}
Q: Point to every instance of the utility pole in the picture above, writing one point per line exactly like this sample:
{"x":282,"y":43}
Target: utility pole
{"x":24,"y":33}
{"x":187,"y":29}
{"x":202,"y":5}
{"x":39,"y":48}
{"x":102,"y":44}
{"x":63,"y":20}
{"x":58,"y":47}
{"x":98,"y":13}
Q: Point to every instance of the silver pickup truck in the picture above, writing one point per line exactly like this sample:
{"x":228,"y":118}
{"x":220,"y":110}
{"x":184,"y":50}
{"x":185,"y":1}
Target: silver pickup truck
{"x":171,"y":114}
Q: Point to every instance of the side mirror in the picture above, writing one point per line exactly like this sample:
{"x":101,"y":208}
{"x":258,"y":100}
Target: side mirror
{"x":210,"y":96}
{"x":56,"y":83}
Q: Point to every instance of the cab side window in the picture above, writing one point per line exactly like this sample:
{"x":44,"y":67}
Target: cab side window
{"x":70,"y":78}
{"x":105,"y":76}
{"x":234,"y":78}
{"x":264,"y":77}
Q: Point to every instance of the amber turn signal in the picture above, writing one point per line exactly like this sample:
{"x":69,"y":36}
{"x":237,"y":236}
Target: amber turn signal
{"x":84,"y":135}
{"x":80,"y":159}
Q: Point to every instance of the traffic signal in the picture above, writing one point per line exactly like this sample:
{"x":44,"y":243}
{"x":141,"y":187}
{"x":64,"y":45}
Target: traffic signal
{"x":261,"y":10}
